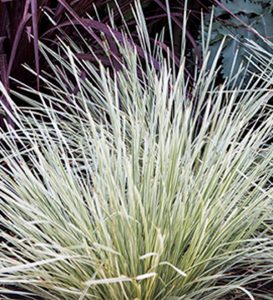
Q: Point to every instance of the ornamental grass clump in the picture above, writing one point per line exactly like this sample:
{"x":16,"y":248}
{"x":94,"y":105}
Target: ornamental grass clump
{"x":137,"y":186}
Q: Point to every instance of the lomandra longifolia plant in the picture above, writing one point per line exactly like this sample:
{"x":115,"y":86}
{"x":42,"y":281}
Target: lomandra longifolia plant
{"x":135,"y":186}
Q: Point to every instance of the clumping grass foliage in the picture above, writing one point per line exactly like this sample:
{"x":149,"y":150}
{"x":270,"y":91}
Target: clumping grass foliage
{"x":136,"y":186}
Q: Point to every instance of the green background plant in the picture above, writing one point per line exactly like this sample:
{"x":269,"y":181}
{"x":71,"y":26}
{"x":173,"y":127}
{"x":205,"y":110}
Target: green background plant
{"x":237,"y":22}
